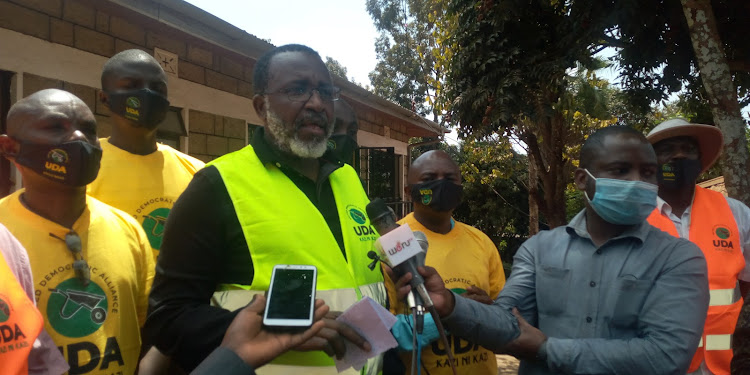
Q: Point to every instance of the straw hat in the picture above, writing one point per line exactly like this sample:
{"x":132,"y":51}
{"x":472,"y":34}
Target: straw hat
{"x":709,"y":138}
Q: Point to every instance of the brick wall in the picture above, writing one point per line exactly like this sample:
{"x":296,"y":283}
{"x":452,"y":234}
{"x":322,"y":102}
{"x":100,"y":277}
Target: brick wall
{"x":210,"y":135}
{"x":105,"y":29}
{"x":214,"y":135}
{"x":33,"y":83}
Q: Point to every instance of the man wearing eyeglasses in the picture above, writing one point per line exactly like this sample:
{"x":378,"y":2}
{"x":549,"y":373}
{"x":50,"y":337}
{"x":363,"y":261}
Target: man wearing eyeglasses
{"x":720,"y":226}
{"x":276,"y":201}
{"x":91,"y":263}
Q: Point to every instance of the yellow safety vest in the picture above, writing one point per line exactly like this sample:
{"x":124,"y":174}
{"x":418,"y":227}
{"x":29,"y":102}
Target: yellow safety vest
{"x":282,"y":226}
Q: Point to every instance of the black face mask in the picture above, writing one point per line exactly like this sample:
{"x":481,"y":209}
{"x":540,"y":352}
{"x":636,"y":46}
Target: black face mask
{"x":144,"y":107}
{"x":440,"y":195}
{"x":678,"y":173}
{"x":342,"y":146}
{"x":73,"y":163}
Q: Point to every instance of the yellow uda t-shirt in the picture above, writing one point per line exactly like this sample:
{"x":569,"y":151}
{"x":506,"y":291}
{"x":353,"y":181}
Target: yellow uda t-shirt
{"x":464,"y":257}
{"x":97,"y":327}
{"x":144,"y":186}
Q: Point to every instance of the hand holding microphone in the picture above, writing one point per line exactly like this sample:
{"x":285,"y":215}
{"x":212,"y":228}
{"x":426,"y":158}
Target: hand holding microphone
{"x":400,"y":249}
{"x":384,"y":222}
{"x":405,"y":252}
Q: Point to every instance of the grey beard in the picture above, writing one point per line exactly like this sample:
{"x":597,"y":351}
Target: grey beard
{"x":288,"y":142}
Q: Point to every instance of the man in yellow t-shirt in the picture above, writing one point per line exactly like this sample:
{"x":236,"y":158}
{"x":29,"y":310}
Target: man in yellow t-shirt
{"x":139,"y":175}
{"x":91,"y":263}
{"x":466,"y":258}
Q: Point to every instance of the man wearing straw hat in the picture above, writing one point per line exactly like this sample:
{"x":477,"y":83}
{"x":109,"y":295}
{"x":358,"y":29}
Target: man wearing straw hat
{"x":720,"y":226}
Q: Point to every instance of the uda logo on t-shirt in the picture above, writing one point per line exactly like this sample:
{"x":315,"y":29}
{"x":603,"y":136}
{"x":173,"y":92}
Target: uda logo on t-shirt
{"x":153,"y":225}
{"x":75,"y":310}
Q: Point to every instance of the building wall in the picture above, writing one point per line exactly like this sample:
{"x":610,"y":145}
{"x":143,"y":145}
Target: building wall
{"x":65,"y":43}
{"x":212,"y":135}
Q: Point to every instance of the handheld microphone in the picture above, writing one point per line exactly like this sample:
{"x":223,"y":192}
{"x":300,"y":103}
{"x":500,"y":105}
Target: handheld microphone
{"x":399,"y":246}
{"x":405,"y":258}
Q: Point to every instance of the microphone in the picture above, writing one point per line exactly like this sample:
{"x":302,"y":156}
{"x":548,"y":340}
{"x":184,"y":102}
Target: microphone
{"x":399,"y":246}
{"x":415,"y":300}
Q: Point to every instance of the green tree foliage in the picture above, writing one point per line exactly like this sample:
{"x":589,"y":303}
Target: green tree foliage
{"x":699,"y":46}
{"x":495,"y":193}
{"x":510,"y":75}
{"x":655,"y":54}
{"x":410,"y":69}
{"x":335,"y":67}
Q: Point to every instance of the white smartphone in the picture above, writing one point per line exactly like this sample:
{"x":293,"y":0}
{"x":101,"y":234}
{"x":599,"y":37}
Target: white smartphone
{"x":291,"y":296}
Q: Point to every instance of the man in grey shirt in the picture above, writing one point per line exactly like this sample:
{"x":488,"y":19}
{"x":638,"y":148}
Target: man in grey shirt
{"x":606,"y":294}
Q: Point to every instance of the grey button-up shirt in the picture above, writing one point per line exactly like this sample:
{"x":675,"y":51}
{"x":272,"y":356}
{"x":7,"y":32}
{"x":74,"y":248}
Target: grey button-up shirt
{"x":635,"y":305}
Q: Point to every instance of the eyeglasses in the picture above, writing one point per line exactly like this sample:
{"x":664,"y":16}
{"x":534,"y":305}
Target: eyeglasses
{"x":80,"y":267}
{"x":303,"y":94}
{"x":671,"y":147}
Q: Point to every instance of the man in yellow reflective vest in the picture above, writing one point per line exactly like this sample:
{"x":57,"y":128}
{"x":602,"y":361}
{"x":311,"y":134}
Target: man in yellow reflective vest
{"x":720,"y":226}
{"x":277,"y":201}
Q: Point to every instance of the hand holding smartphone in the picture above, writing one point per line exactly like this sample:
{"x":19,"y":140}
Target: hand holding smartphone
{"x":291,"y":297}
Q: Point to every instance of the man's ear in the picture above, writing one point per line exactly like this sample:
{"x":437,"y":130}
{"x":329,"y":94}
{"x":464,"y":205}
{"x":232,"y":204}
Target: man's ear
{"x":259,"y":104}
{"x":407,"y":191}
{"x":9,"y":147}
{"x":580,"y":177}
{"x":103,"y":98}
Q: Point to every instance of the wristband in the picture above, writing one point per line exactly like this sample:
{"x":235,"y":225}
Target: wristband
{"x":541,"y":354}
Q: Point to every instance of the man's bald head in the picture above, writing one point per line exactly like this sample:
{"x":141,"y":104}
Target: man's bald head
{"x":50,"y":103}
{"x":132,"y":63}
{"x":433,"y":165}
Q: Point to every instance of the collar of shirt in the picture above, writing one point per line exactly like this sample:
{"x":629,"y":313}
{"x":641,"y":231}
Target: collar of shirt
{"x":577,"y":227}
{"x":268,"y":153}
{"x":665,"y":209}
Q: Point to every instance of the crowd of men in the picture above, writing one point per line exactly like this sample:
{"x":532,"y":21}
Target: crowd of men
{"x":122,"y":255}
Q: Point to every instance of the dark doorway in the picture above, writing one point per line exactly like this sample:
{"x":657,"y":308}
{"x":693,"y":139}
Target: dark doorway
{"x":5,"y":78}
{"x":379,"y":173}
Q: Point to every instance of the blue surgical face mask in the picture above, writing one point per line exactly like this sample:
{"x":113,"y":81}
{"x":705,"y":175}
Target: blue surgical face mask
{"x":623,"y":202}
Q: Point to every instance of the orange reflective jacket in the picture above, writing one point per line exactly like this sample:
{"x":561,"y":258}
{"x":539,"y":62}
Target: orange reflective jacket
{"x":714,"y":230}
{"x":20,"y":323}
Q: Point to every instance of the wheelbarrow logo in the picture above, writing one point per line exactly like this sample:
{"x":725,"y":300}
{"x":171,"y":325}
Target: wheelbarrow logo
{"x":75,"y":310}
{"x":4,"y":311}
{"x":153,"y":225}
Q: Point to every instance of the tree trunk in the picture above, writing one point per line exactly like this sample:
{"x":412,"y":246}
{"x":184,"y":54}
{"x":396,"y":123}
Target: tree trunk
{"x":722,"y":95}
{"x":533,"y":196}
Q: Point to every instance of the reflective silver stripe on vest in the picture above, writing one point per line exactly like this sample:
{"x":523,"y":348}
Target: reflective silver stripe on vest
{"x":374,"y":367}
{"x":271,"y":369}
{"x":723,"y":297}
{"x":233,"y":299}
{"x":718,"y":342}
{"x":375,"y":291}
{"x":336,"y":299}
{"x":700,"y":343}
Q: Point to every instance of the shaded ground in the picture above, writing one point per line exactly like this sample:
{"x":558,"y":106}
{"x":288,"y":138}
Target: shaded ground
{"x":507,"y":365}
